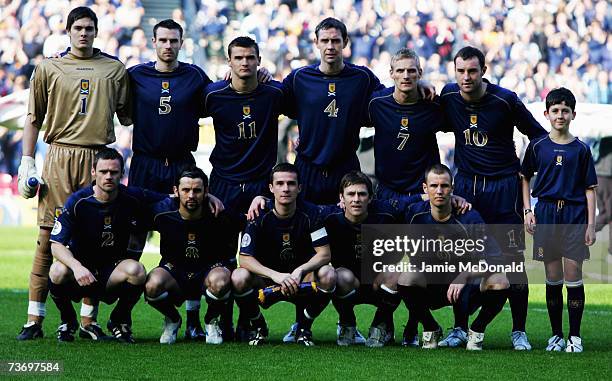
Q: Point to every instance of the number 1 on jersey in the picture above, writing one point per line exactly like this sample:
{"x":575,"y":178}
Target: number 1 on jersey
{"x":83,"y":108}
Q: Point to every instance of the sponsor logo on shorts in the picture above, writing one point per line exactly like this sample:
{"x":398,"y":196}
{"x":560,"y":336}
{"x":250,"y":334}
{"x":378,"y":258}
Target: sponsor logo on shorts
{"x":57,"y":228}
{"x":246,"y":240}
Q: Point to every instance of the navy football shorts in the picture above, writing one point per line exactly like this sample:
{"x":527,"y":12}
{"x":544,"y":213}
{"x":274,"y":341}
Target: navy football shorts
{"x":237,"y":197}
{"x":322,"y":185}
{"x":158,"y":175}
{"x":560,"y":230}
{"x":500,"y":203}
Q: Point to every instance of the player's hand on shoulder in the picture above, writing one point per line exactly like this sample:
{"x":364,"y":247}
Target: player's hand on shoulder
{"x":589,"y":235}
{"x":257,"y":205}
{"x":460,"y":204}
{"x":83,"y":276}
{"x":530,"y":222}
{"x":215,"y":205}
{"x":427,"y":90}
{"x":263,"y":75}
{"x":26,"y":172}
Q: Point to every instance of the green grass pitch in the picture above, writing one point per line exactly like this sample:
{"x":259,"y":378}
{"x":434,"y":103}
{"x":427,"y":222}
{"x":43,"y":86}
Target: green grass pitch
{"x":149,"y":360}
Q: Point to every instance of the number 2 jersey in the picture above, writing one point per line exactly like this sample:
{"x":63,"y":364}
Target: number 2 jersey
{"x":97,"y":233}
{"x":484,"y":130}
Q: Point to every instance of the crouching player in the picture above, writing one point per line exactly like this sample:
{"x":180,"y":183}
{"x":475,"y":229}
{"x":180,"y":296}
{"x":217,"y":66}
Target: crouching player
{"x":422,"y":289}
{"x":198,"y":255}
{"x":564,"y":186}
{"x":344,"y":230}
{"x":89,"y":242}
{"x":284,"y":246}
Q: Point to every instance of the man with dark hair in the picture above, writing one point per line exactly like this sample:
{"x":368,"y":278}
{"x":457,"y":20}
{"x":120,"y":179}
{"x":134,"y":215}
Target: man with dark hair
{"x":245,"y":117}
{"x":565,"y":213}
{"x":344,"y":230}
{"x":90,"y":241}
{"x":79,"y":92}
{"x":328,"y":100}
{"x":284,"y":247}
{"x":483,"y":116}
{"x":423,"y":289}
{"x":197,"y":250}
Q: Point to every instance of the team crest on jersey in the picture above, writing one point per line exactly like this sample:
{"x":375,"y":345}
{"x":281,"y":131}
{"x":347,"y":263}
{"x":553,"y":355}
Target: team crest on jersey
{"x":85,"y":86}
{"x":331,"y":90}
{"x":473,"y":121}
{"x":191,"y":237}
{"x":404,"y":122}
{"x":286,"y":237}
{"x":165,"y":87}
{"x":559,"y":160}
{"x":246,"y":112}
{"x":58,"y":211}
{"x":540,"y":252}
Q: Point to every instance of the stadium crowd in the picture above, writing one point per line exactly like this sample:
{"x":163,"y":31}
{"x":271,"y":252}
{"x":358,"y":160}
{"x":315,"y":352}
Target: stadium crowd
{"x":531,"y":47}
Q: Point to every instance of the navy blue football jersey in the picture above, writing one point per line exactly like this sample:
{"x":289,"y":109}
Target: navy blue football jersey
{"x":284,"y":244}
{"x":166,"y":108}
{"x":329,"y":109}
{"x":246,"y":129}
{"x":484,"y":143}
{"x":345,"y":237}
{"x":405,"y":142}
{"x":194,"y":244}
{"x":564,"y":171}
{"x":469,"y":225}
{"x":97,"y":233}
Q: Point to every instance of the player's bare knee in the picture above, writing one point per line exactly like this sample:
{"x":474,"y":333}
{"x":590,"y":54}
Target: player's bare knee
{"x":218,"y":281}
{"x":134,"y":271}
{"x":154,"y":286}
{"x":241,"y":280}
{"x":326,"y":277}
{"x":496,"y":282}
{"x":59,"y":273}
{"x":412,"y":279}
{"x":345,"y":281}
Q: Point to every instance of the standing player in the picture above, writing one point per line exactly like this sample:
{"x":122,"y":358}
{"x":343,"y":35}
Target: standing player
{"x":90,"y":242}
{"x":79,"y":92}
{"x":422,"y":290}
{"x":482,"y":117}
{"x":198,"y":253}
{"x":284,"y":247}
{"x":245,"y":117}
{"x":405,"y":142}
{"x":328,"y":100}
{"x":564,"y":187}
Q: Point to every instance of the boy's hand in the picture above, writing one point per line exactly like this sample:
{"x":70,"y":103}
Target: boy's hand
{"x":589,"y":235}
{"x":530,"y":223}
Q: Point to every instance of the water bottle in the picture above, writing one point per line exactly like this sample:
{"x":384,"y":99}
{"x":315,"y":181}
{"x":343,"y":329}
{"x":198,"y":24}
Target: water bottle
{"x":272,"y":294}
{"x":33,"y":184}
